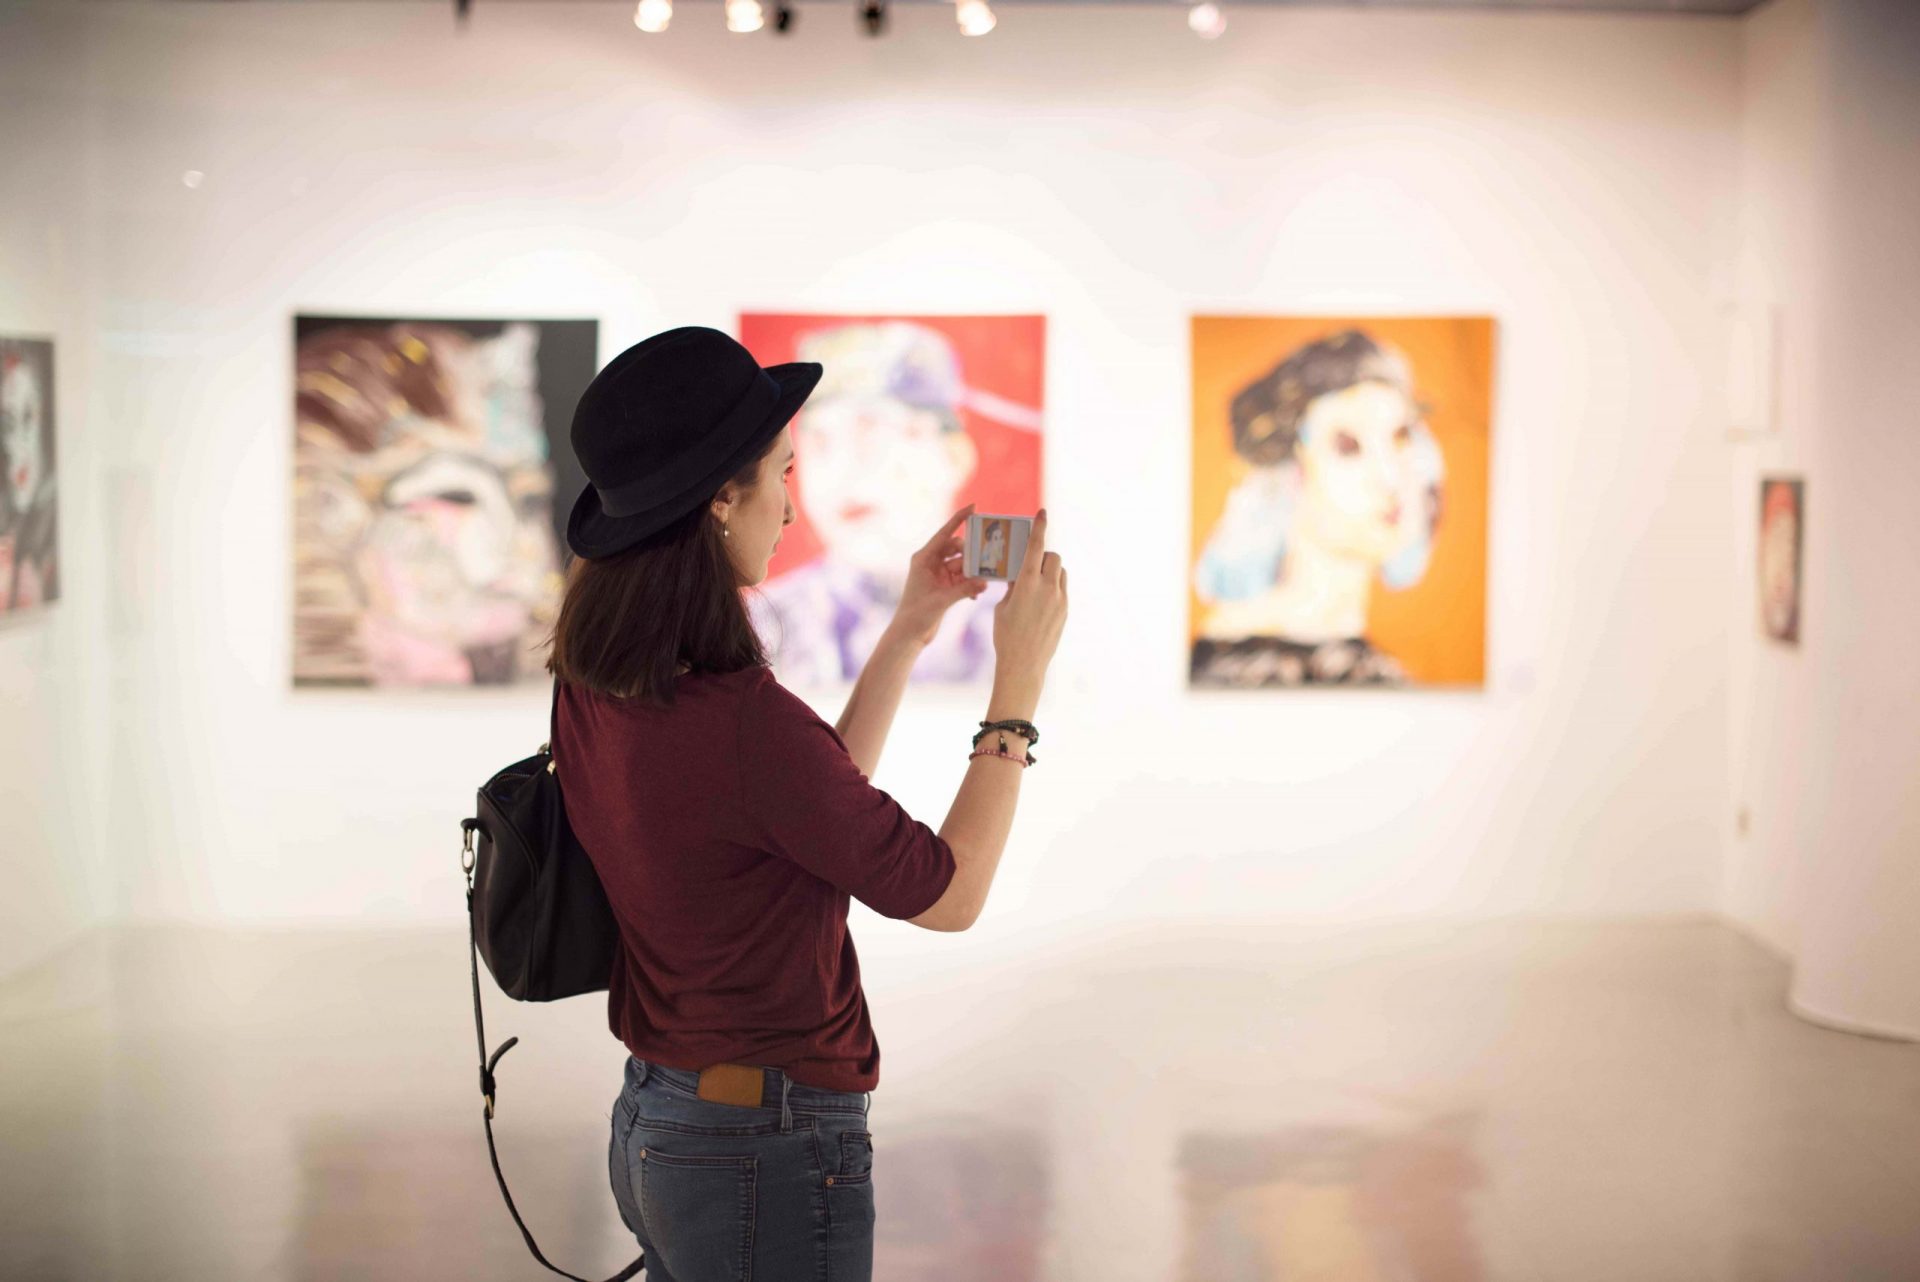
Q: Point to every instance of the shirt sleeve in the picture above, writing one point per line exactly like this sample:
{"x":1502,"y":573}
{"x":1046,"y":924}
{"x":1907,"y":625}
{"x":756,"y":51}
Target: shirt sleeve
{"x":805,"y":800}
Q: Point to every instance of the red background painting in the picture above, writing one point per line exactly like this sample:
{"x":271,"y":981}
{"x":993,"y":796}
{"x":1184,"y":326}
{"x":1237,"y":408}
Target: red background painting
{"x":1004,"y":356}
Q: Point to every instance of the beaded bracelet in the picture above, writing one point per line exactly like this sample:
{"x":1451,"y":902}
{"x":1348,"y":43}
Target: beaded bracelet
{"x":1027,"y":760}
{"x":987,"y":752}
{"x":1025,"y":729}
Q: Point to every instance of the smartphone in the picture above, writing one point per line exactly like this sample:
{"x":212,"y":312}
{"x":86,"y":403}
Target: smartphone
{"x":996,"y":545}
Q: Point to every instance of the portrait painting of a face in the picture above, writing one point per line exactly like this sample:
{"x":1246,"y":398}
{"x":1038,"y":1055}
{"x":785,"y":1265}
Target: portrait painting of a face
{"x":1782,"y":504}
{"x":914,"y":417}
{"x":431,"y":474}
{"x":1339,"y":501}
{"x":29,"y":515}
{"x":993,"y":548}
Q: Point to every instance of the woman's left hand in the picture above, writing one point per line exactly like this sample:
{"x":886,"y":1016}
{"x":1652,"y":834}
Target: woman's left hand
{"x":936,"y":580}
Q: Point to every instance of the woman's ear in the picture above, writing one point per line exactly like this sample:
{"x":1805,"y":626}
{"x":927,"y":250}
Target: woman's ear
{"x":722,"y":505}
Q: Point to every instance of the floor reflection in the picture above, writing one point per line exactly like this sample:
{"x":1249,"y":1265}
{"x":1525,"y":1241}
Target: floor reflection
{"x":961,"y":1206}
{"x":1376,"y":1202}
{"x":371,"y":1202}
{"x":1242,"y":1103}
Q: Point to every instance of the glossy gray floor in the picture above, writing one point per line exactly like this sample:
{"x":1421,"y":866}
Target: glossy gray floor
{"x":1233,"y":1104}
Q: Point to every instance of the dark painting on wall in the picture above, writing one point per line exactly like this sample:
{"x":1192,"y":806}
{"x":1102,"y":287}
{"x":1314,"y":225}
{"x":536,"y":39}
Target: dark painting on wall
{"x":1782,"y":516}
{"x":432,"y":474}
{"x":29,"y":509}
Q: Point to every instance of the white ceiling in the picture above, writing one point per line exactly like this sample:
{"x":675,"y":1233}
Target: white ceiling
{"x":1729,"y":8}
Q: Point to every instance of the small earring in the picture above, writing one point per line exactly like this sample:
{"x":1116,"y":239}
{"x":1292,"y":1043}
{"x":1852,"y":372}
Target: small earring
{"x":725,"y":533}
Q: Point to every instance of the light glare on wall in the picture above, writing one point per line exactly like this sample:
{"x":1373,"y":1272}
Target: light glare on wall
{"x":975,"y":17}
{"x":1207,"y":21}
{"x":744,"y":16}
{"x":653,"y":15}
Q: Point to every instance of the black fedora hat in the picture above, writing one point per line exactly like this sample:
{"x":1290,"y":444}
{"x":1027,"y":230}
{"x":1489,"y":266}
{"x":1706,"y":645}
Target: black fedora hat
{"x":665,"y":425}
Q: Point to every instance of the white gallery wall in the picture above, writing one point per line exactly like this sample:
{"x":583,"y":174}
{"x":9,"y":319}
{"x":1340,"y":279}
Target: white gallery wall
{"x":1778,"y":265}
{"x":54,"y":880}
{"x":1574,"y":176}
{"x":1825,"y":737}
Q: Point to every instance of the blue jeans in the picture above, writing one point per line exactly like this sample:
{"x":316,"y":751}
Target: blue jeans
{"x":727,"y":1193}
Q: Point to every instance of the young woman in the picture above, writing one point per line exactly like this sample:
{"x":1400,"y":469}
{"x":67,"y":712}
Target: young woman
{"x":731,"y":825}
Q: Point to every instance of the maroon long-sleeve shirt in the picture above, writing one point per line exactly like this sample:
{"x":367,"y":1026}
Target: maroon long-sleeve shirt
{"x":730,"y":831}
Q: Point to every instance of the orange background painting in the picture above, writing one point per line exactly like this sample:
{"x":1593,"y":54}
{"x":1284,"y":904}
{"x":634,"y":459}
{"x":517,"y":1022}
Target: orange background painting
{"x":1436,"y":628}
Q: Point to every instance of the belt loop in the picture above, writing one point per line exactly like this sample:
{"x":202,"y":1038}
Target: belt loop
{"x":644,"y":1070}
{"x":786,"y":1114}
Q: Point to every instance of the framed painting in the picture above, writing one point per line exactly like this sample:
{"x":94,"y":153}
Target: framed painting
{"x":1339,"y":530}
{"x":913,"y":418}
{"x":432,"y":473}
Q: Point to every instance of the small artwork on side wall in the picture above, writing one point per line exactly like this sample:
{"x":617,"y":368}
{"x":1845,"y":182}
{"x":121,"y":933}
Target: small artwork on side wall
{"x":1782,"y":517}
{"x":431,"y":476}
{"x":29,"y":513}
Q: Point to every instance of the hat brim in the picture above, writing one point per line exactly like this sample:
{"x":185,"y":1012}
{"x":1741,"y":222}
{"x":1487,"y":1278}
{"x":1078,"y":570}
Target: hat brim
{"x":593,"y":533}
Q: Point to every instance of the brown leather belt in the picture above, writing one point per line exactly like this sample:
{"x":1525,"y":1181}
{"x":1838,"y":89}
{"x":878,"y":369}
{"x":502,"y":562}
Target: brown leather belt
{"x":743,"y":1084}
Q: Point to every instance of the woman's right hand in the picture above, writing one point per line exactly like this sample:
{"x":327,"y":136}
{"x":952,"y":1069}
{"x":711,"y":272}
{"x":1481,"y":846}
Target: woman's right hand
{"x":1028,"y":621}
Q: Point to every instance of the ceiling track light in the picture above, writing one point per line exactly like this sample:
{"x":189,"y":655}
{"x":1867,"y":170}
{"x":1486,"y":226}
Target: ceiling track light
{"x":873,"y":16}
{"x":652,"y":16}
{"x":975,"y":17}
{"x":783,"y":17}
{"x":1206,"y":20}
{"x":745,"y":16}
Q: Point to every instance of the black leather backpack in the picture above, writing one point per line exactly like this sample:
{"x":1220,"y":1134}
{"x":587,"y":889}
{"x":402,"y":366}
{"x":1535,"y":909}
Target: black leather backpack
{"x":536,"y":913}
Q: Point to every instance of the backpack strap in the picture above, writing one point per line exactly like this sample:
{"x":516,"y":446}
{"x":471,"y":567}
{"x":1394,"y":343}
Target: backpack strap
{"x":487,"y":1083}
{"x":553,"y":723}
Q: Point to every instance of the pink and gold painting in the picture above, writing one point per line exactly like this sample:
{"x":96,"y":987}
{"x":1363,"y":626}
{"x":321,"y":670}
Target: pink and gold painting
{"x":431,"y":476}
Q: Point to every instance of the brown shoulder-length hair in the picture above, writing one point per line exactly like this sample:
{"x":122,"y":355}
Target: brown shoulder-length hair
{"x":629,"y":620}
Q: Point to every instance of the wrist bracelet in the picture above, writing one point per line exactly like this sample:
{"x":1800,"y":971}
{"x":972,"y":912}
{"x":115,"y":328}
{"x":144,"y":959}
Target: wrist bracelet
{"x":1027,"y":760}
{"x":990,"y":752}
{"x":1025,"y":729}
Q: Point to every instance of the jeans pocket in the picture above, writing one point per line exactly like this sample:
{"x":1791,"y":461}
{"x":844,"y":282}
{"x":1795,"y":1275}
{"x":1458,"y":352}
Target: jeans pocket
{"x":698,"y":1213}
{"x":856,"y":1158}
{"x":848,"y":1154}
